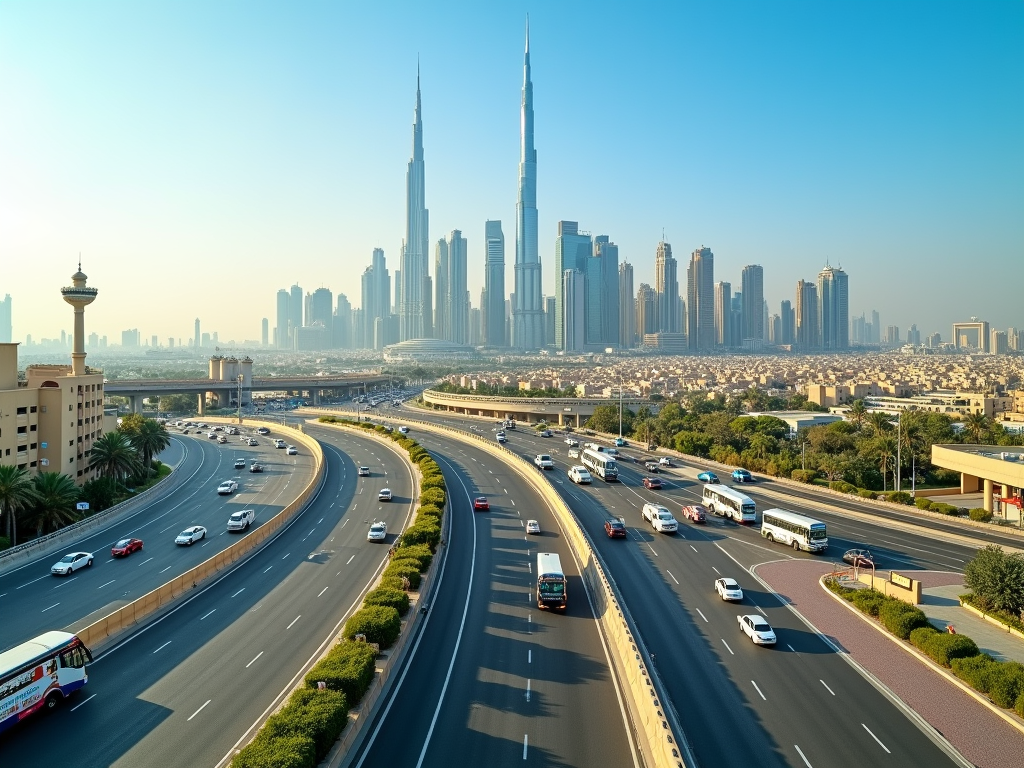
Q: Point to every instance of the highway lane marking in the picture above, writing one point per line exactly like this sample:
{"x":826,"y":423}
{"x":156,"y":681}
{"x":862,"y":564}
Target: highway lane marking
{"x":525,"y":743}
{"x":758,"y":690}
{"x":268,"y":569}
{"x":239,"y":592}
{"x":716,"y":570}
{"x":346,"y":521}
{"x":727,"y":646}
{"x":167,"y":568}
{"x":529,"y":622}
{"x":199,"y":710}
{"x":877,"y":739}
{"x":209,"y":614}
{"x":652,"y":550}
{"x":527,"y":689}
{"x":163,"y":646}
{"x":704,"y":617}
{"x":319,"y":521}
{"x":802,"y":757}
{"x":826,"y":687}
{"x":286,"y":555}
{"x":760,"y":611}
{"x":52,"y":606}
{"x":140,"y":565}
{"x":101,"y":586}
{"x":254,"y":660}
{"x":529,"y":657}
{"x":32,"y":582}
{"x":167,"y":528}
{"x":293,"y":621}
{"x":323,"y":590}
{"x":350,"y":559}
{"x":794,"y":650}
{"x":84,"y":702}
{"x":513,"y":502}
{"x":673,"y":577}
{"x":693,"y":548}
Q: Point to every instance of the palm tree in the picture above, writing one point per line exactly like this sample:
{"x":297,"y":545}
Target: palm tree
{"x":55,"y":503}
{"x":879,"y":422}
{"x":857,"y":413}
{"x":150,"y":438}
{"x":16,"y":492}
{"x":975,"y":425}
{"x":885,"y":448}
{"x":115,"y":456}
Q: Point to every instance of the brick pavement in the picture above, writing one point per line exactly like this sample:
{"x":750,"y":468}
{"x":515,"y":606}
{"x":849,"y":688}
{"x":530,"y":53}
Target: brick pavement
{"x":978,"y":734}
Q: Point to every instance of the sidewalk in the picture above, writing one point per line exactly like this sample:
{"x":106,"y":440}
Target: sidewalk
{"x":977,"y":733}
{"x":941,"y":604}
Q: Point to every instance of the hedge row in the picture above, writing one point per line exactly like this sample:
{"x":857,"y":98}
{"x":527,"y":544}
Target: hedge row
{"x":1002,"y":681}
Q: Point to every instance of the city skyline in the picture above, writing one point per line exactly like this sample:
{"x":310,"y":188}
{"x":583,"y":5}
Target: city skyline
{"x":40,"y":225}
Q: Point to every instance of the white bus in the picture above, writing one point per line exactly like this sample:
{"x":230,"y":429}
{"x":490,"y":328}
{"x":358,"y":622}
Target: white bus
{"x":551,"y":591}
{"x":40,"y":673}
{"x":798,"y":531}
{"x":728,"y":502}
{"x":600,"y":464}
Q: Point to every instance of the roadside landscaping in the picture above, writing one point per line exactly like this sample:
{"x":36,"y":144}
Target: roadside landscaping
{"x":303,"y":732}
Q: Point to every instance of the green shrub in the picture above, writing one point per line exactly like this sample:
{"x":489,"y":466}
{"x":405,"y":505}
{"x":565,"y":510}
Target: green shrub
{"x":922,"y":636}
{"x":5,"y":543}
{"x":421,"y":553}
{"x":980,"y":514}
{"x":976,"y":671}
{"x":395,"y":598}
{"x":1019,"y":709}
{"x":381,"y":624}
{"x":803,"y":475}
{"x":391,"y":582}
{"x":864,"y":493}
{"x":868,"y":600}
{"x":944,"y":509}
{"x":899,"y":497}
{"x":923,"y":502}
{"x":836,"y":586}
{"x":433,"y":496}
{"x":430,"y":510}
{"x":943,"y":648}
{"x":1006,"y":683}
{"x":408,"y":568}
{"x":842,"y":486}
{"x":320,"y":715}
{"x":901,"y":618}
{"x":288,"y":752}
{"x":348,"y":667}
{"x":418,"y":453}
{"x":423,"y":532}
{"x":432,"y":481}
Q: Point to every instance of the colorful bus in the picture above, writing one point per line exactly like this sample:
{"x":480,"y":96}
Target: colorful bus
{"x":39,"y":674}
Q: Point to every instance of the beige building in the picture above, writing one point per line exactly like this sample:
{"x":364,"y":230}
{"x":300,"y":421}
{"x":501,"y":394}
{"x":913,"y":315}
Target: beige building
{"x":994,"y":470}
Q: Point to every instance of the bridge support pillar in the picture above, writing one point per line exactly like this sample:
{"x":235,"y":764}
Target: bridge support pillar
{"x":135,"y":403}
{"x":988,"y":495}
{"x":201,"y":407}
{"x":316,"y":396}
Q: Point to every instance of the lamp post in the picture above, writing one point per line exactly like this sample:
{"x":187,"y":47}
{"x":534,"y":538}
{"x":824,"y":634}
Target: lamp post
{"x":803,"y":455}
{"x":620,"y":407}
{"x":239,"y":398}
{"x":899,"y":445}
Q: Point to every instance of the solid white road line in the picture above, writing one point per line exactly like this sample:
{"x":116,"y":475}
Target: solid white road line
{"x":323,"y":590}
{"x":652,"y":550}
{"x":209,"y":614}
{"x":758,"y":690}
{"x":877,"y":739}
{"x":293,"y":621}
{"x":163,"y":646}
{"x":702,"y":614}
{"x":254,"y":660}
{"x":199,"y":710}
{"x":826,"y":687}
{"x":83,"y":703}
{"x":802,"y":756}
{"x":727,"y":646}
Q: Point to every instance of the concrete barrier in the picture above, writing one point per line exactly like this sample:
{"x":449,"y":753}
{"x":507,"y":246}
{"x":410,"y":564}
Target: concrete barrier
{"x":130,"y":615}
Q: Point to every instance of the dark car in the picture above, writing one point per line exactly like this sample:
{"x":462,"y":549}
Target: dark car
{"x":858,"y":557}
{"x":256,"y":468}
{"x":615,"y":528}
{"x":652,"y":483}
{"x":480,"y":504}
{"x":125,"y":547}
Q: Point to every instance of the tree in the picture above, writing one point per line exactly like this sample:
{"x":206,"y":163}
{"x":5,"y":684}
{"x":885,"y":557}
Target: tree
{"x":833,"y":468}
{"x":149,"y":439}
{"x":693,"y":443}
{"x":606,"y":419}
{"x":115,"y":456}
{"x":178,"y":403}
{"x":17,"y":492}
{"x":857,"y":413}
{"x":131,"y":424}
{"x":56,"y":495}
{"x":879,"y":422}
{"x":100,"y":492}
{"x":976,"y":425}
{"x":997,"y":578}
{"x":884,"y":447}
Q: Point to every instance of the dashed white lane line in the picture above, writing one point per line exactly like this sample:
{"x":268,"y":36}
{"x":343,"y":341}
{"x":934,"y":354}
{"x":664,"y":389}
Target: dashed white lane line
{"x":760,"y":611}
{"x":673,"y":577}
{"x":513,"y":502}
{"x":83,"y":703}
{"x":101,"y":586}
{"x":163,"y":646}
{"x":293,"y":621}
{"x":239,"y":592}
{"x":286,"y":555}
{"x":826,"y":687}
{"x":199,"y":710}
{"x":144,"y":562}
{"x":652,"y":550}
{"x":717,"y":571}
{"x":758,"y":690}
{"x":693,"y":548}
{"x":877,"y":739}
{"x":52,"y":606}
{"x":268,"y":569}
{"x":323,"y":590}
{"x":208,"y":614}
{"x":526,"y":741}
{"x":527,"y":690}
{"x":167,"y":569}
{"x":529,"y":657}
{"x":802,"y":756}
{"x":32,"y":582}
{"x":704,"y":617}
{"x":254,"y":660}
{"x":727,"y":646}
{"x":350,"y":559}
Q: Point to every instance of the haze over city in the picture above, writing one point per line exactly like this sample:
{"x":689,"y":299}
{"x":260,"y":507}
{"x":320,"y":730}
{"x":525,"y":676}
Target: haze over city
{"x":202,"y":158}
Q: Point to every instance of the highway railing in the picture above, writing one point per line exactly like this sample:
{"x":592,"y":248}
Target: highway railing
{"x":130,"y":615}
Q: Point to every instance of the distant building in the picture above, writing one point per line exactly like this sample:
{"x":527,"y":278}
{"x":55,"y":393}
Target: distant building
{"x":752,"y":279}
{"x":723,"y":314}
{"x":807,"y":316}
{"x":646,"y":314}
{"x":627,"y":307}
{"x":971,"y":336}
{"x":998,"y":344}
{"x":700,"y":301}
{"x":572,"y":250}
{"x":574,"y":315}
{"x":833,"y":309}
{"x":892,"y":335}
{"x":787,"y":316}
{"x":666,"y":287}
{"x":264,"y":332}
{"x":493,"y":308}
{"x":6,"y":322}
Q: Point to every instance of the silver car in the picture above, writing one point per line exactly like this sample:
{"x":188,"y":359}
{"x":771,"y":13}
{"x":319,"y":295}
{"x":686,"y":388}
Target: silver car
{"x":71,"y":563}
{"x":190,"y":536}
{"x":378,"y":531}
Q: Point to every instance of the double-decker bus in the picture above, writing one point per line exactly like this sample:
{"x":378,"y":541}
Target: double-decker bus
{"x":798,"y":531}
{"x":551,"y":591}
{"x":40,"y":673}
{"x":600,"y":464}
{"x":728,"y":502}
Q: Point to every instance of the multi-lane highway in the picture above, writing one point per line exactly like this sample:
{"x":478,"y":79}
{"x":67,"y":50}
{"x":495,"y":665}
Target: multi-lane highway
{"x":33,"y":601}
{"x":495,"y":681}
{"x":189,"y":687}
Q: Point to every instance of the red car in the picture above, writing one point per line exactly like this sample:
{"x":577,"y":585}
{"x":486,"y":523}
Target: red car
{"x":698,"y":513}
{"x":615,"y":528}
{"x":125,"y":547}
{"x":652,"y":483}
{"x":480,"y":504}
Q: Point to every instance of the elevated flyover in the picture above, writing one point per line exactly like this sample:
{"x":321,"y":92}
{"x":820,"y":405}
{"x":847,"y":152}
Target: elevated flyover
{"x":573,"y":411}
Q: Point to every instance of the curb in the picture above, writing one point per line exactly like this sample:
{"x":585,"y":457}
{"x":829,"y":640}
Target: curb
{"x":1006,"y":715}
{"x":991,"y":619}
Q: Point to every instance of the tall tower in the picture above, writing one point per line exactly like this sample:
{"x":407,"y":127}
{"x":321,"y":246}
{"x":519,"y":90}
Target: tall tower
{"x":700,"y":300}
{"x":666,"y":286}
{"x":413,"y":263}
{"x":197,"y":341}
{"x":833,"y":308}
{"x":528,"y":310}
{"x":79,"y":297}
{"x":493,"y":305}
{"x":752,"y":280}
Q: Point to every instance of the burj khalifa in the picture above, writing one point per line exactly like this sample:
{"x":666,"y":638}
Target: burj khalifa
{"x":414,"y":251}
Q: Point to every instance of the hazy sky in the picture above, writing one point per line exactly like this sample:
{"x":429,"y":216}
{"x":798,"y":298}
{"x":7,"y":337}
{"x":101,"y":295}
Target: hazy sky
{"x":202,"y":155}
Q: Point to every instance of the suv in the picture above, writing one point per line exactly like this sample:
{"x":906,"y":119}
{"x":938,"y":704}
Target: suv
{"x":262,"y":431}
{"x":544,"y":461}
{"x":241,"y":520}
{"x":279,"y":443}
{"x":227,"y":487}
{"x":615,"y":527}
{"x":660,"y":518}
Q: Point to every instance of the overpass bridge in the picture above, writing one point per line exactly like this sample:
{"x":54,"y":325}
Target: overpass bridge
{"x":574,"y":411}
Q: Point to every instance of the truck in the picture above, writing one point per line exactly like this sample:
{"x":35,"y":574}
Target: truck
{"x":551,"y":583}
{"x":241,"y":520}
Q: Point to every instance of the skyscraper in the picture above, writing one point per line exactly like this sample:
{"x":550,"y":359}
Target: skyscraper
{"x":627,"y":307}
{"x":608,"y":254}
{"x":807,"y":316}
{"x":752,"y":280}
{"x":6,"y":322}
{"x":458,"y":293}
{"x":646,"y":316}
{"x":413,"y":263}
{"x":442,"y":307}
{"x":376,"y":300}
{"x":700,"y":300}
{"x":527,"y":311}
{"x":197,"y":342}
{"x":281,"y":335}
{"x":342,"y":335}
{"x":321,"y":308}
{"x":573,"y":292}
{"x":833,"y":309}
{"x":788,"y":320}
{"x":666,"y":286}
{"x":571,"y":252}
{"x":493,"y":308}
{"x":295,"y":305}
{"x":723,"y":314}
{"x":264,"y":333}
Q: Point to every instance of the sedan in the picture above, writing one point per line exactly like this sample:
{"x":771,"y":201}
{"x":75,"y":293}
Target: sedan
{"x":757,"y":629}
{"x":292,"y":450}
{"x":858,"y":557}
{"x":71,"y":563}
{"x":620,"y":442}
{"x":404,"y":430}
{"x":571,"y":442}
{"x":384,"y":494}
{"x":652,"y":466}
{"x":378,"y":531}
{"x":652,"y":483}
{"x":125,"y":547}
{"x":364,"y":471}
{"x":708,"y":477}
{"x":239,"y":463}
{"x":480,"y":504}
{"x":252,"y":441}
{"x":728,"y":589}
{"x":533,"y":527}
{"x":742,"y":476}
{"x":665,"y":461}
{"x":546,"y":433}
{"x":190,"y":536}
{"x":256,"y":468}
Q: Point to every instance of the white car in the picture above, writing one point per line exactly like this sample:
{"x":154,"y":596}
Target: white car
{"x":241,"y":520}
{"x":404,"y":430}
{"x":364,"y":471}
{"x":571,"y":442}
{"x":378,"y":531}
{"x":728,"y":589}
{"x":71,"y":563}
{"x":579,"y":475}
{"x":253,"y":441}
{"x":660,"y":518}
{"x":665,"y":461}
{"x":239,"y":463}
{"x":227,"y":487}
{"x":544,"y":461}
{"x":573,"y":453}
{"x":384,"y":494}
{"x":190,"y":536}
{"x":501,"y":437}
{"x":279,"y":443}
{"x":757,"y":629}
{"x":533,"y":527}
{"x":292,"y":450}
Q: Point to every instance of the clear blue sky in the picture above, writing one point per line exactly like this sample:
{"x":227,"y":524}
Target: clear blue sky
{"x":202,"y":155}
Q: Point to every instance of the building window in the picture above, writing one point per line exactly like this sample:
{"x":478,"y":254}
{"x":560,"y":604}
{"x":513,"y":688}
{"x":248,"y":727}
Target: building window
{"x":32,"y":409}
{"x":22,"y":410}
{"x":32,"y":464}
{"x":32,"y":428}
{"x":32,"y":446}
{"x":69,"y":408}
{"x":22,"y":430}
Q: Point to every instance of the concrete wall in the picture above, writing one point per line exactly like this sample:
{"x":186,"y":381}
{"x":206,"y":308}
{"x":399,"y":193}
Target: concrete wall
{"x":886,"y":587}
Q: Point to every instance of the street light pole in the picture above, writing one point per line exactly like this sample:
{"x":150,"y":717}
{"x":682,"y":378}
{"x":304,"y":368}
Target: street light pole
{"x":620,"y":407}
{"x":899,"y":446}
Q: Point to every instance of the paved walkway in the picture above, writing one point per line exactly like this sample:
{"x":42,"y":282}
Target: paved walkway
{"x":942,"y":607}
{"x":977,"y":733}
